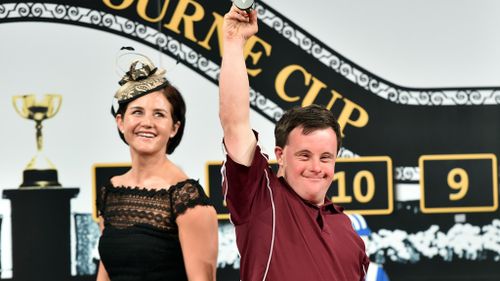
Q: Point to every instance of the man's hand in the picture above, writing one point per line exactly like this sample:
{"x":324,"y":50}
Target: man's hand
{"x":239,"y":25}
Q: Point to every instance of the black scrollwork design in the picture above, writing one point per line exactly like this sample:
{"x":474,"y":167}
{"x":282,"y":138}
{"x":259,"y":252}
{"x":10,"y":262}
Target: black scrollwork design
{"x":74,"y":14}
{"x":174,"y":48}
{"x":260,"y":10}
{"x":363,"y":80}
{"x":60,"y":11}
{"x":288,"y":32}
{"x":334,"y":62}
{"x":346,"y":69}
{"x":203,"y":63}
{"x":423,"y":98}
{"x":393,"y":95}
{"x":278,"y":113}
{"x":264,"y":105}
{"x":2,"y":11}
{"x":23,"y":9}
{"x":496,"y":96}
{"x":461,"y":97}
{"x":407,"y":174}
{"x":141,"y":31}
{"x":108,"y":20}
{"x":128,"y":27}
{"x":475,"y":97}
{"x":404,"y":97}
{"x":95,"y":17}
{"x":192,"y":57}
{"x":306,"y":43}
{"x":37,"y":9}
{"x":317,"y":52}
{"x":161,"y":40}
{"x":437,"y":98}
{"x":374,"y":86}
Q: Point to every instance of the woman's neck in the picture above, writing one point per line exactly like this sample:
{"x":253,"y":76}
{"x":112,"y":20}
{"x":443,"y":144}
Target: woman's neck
{"x":150,"y":170}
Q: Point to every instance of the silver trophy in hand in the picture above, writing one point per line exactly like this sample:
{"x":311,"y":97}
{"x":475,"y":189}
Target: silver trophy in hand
{"x":244,"y":5}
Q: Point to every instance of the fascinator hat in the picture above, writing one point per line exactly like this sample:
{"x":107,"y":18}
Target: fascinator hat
{"x":142,"y":78}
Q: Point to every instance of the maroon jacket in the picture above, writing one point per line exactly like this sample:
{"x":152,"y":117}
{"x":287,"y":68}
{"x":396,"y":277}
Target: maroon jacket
{"x":280,"y":236}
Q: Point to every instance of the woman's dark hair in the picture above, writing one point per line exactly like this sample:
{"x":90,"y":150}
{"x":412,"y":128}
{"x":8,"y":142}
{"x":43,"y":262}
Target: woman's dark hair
{"x":310,"y":118}
{"x":174,"y":97}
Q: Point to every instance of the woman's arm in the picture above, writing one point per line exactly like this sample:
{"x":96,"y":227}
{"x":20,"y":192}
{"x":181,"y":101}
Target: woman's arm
{"x":198,"y":235}
{"x":102,"y":274}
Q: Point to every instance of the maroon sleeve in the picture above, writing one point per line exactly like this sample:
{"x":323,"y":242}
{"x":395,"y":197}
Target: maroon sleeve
{"x":245,"y":188}
{"x":364,"y":263}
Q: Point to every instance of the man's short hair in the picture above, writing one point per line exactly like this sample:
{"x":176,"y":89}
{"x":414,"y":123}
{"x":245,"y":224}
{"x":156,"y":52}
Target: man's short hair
{"x":310,"y":118}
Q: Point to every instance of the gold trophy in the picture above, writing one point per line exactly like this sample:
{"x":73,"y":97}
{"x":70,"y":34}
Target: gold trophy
{"x":39,"y":172}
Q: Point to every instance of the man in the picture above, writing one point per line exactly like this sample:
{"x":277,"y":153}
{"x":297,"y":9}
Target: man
{"x":286,"y":228}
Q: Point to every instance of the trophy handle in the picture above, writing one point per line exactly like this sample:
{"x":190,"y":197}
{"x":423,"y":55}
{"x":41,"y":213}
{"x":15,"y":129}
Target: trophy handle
{"x":15,"y":102}
{"x":55,"y":108}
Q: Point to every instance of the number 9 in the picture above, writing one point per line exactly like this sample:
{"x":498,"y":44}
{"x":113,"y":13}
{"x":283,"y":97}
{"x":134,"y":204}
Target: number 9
{"x":462,"y":185}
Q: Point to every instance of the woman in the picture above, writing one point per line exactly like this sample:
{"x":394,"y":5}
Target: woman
{"x":156,"y":223}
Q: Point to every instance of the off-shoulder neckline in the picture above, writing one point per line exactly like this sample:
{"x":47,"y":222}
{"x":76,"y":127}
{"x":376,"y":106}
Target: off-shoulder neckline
{"x":150,"y":190}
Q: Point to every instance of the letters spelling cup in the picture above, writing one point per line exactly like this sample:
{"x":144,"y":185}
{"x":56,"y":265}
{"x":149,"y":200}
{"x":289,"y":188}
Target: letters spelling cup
{"x":39,"y":172}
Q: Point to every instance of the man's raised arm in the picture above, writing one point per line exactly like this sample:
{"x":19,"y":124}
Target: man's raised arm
{"x":234,"y":107}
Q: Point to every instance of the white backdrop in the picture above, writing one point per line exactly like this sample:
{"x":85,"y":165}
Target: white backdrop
{"x":448,"y":43}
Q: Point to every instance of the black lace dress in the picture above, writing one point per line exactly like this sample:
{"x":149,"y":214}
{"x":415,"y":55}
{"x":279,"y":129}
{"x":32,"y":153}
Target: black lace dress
{"x":140,"y":240}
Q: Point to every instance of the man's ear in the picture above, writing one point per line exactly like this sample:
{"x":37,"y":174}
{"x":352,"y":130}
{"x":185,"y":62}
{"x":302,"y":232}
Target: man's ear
{"x":278,"y":151}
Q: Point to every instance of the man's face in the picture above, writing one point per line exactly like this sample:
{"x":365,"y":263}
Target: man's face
{"x":307,"y":162}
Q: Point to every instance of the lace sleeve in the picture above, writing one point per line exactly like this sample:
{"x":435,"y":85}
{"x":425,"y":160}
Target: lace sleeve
{"x":186,"y":195}
{"x":100,"y":201}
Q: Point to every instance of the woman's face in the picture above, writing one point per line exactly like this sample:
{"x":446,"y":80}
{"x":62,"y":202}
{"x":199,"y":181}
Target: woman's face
{"x":147,"y":124}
